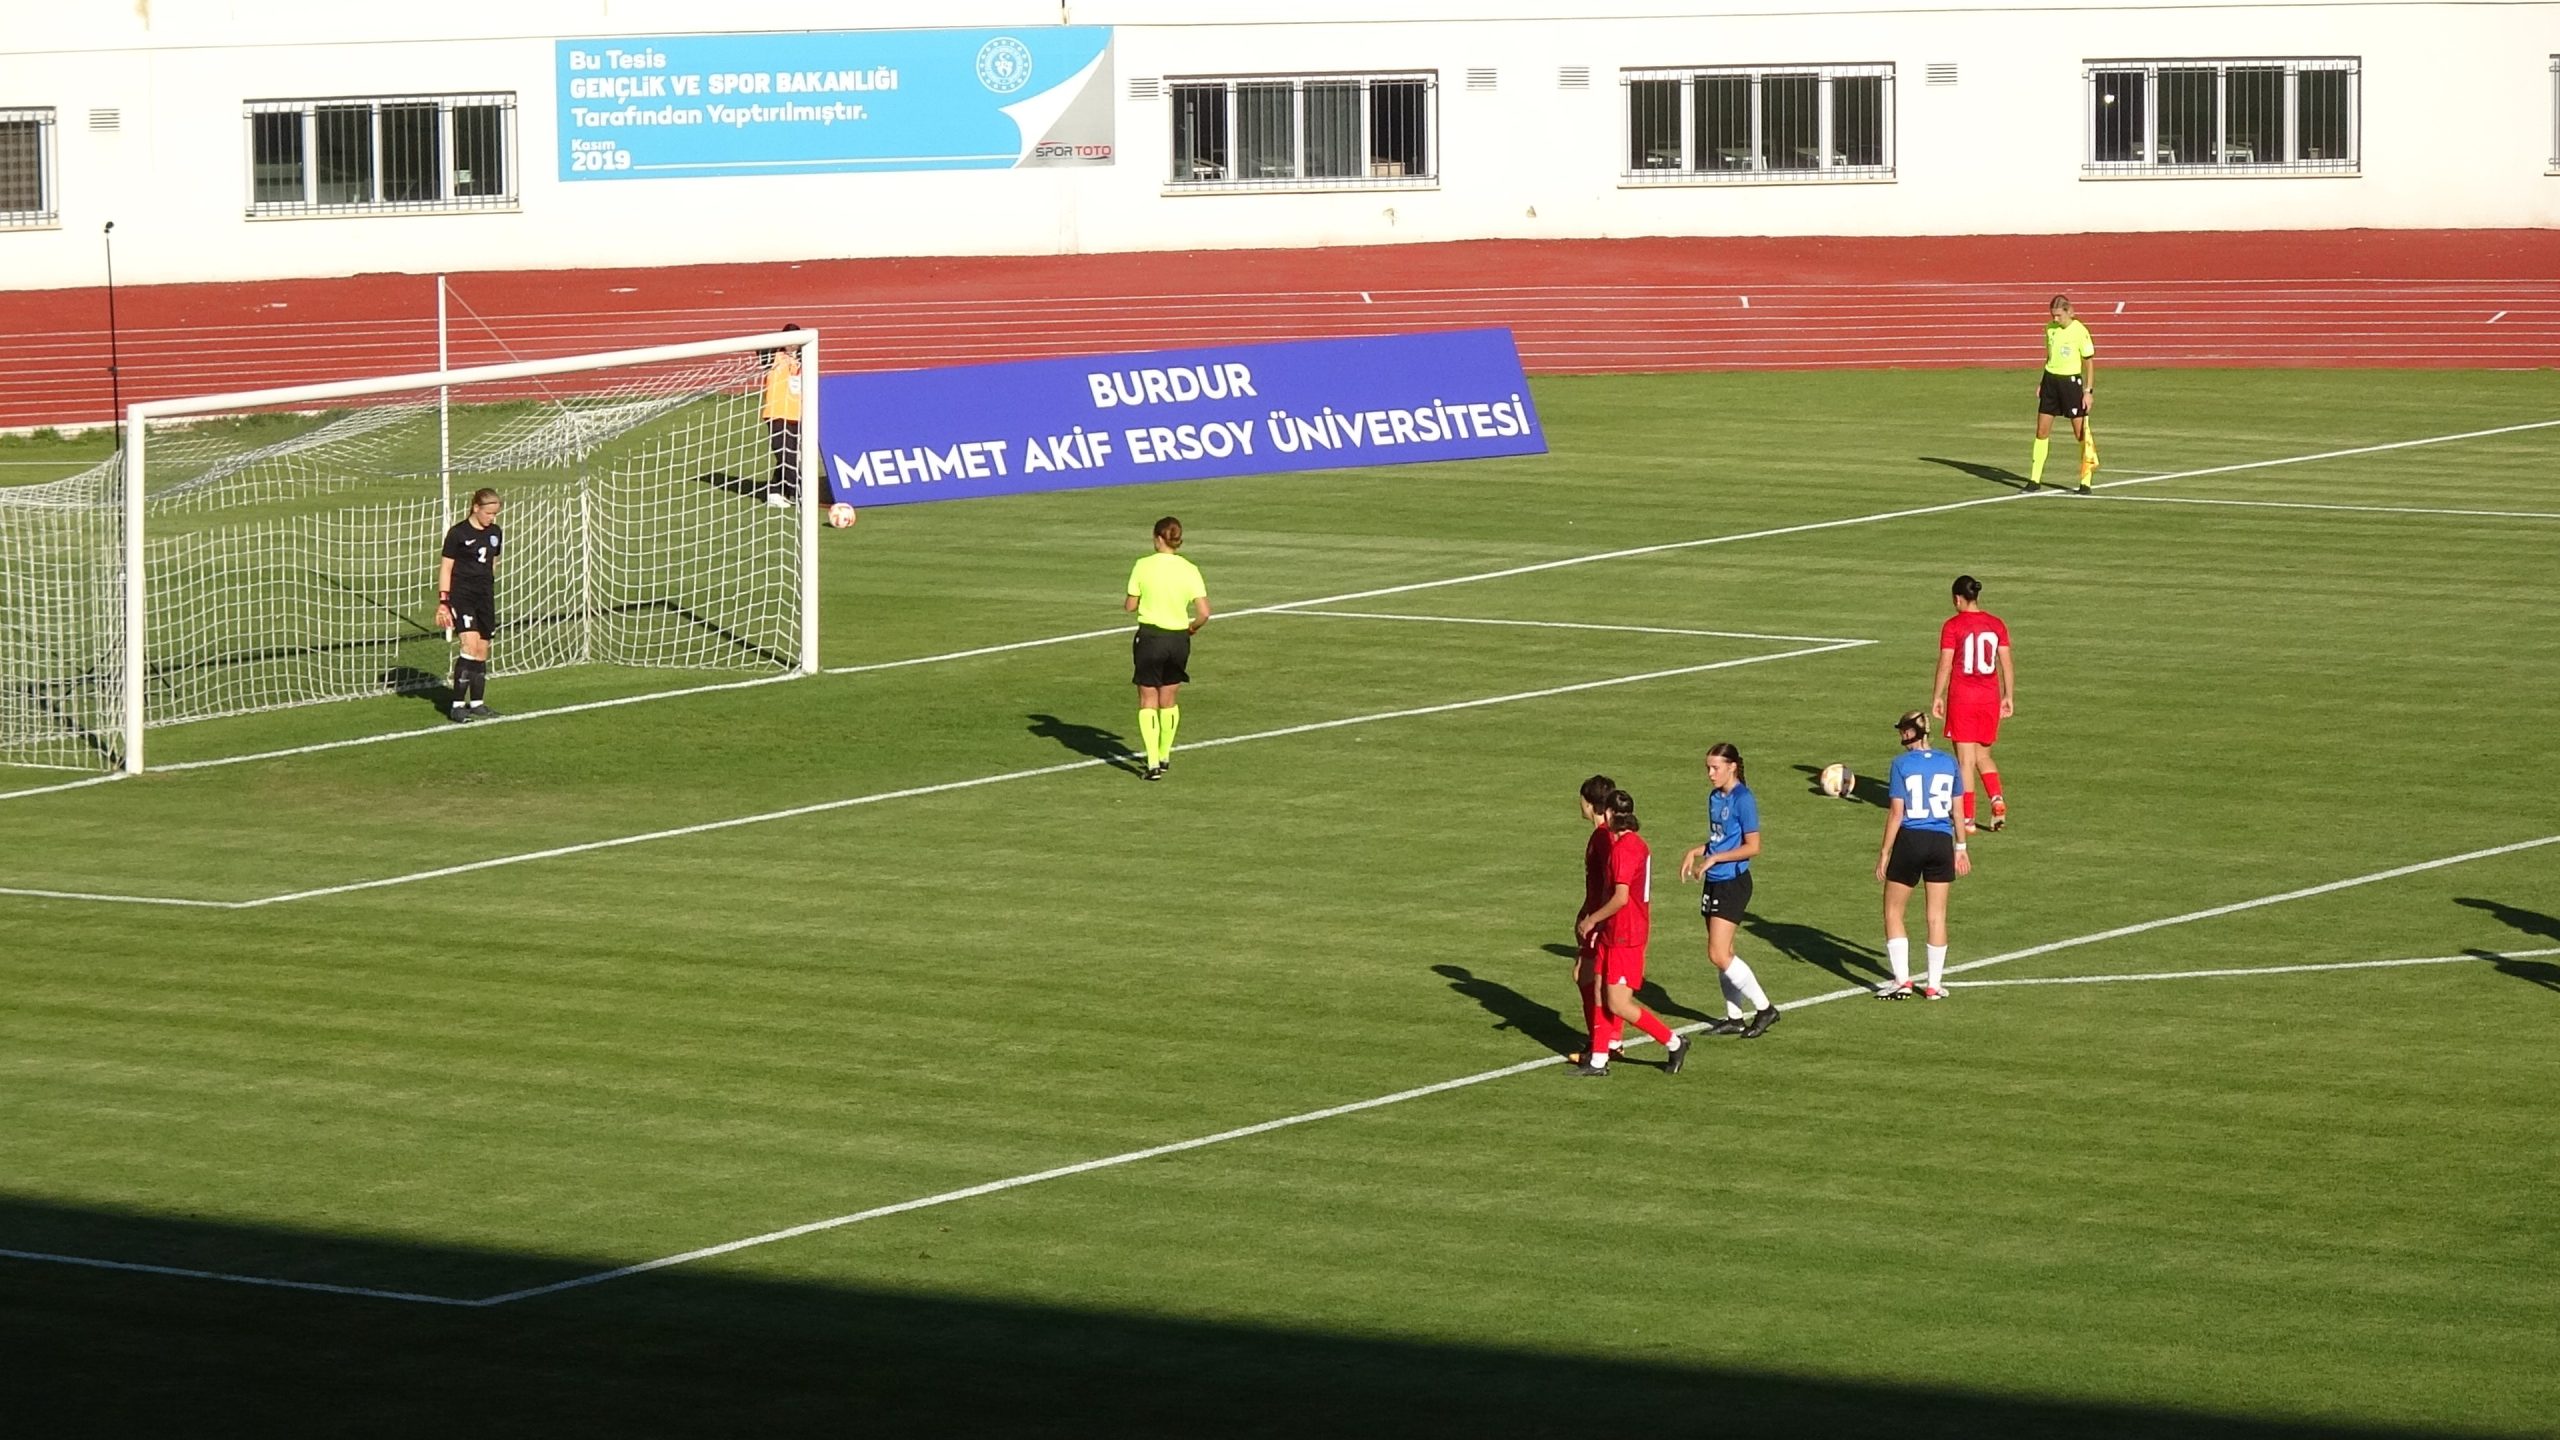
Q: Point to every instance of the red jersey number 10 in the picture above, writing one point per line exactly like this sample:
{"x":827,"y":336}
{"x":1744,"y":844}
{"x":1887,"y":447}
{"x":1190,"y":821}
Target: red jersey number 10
{"x":1981,"y":653}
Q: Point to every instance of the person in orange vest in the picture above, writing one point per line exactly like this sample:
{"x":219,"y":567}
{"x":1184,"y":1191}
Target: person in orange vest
{"x":782,"y":423}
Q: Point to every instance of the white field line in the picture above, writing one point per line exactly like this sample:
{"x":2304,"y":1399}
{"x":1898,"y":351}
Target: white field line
{"x":1107,"y":1162}
{"x":1130,"y":1157}
{"x":63,"y":785}
{"x":267,"y":1282}
{"x":2471,"y":957}
{"x":1566,"y":625}
{"x":918,"y":791}
{"x":2312,"y":505}
{"x":1370,"y":594}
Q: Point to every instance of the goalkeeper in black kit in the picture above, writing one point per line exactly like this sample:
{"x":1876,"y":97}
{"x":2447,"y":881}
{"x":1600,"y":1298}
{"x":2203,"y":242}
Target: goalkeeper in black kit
{"x":467,"y":602}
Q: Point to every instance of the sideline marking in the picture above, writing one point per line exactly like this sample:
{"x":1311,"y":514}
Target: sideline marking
{"x":1544,"y":1062}
{"x":913,"y":792}
{"x":2471,"y":956}
{"x":63,"y":785}
{"x":2315,"y":505}
{"x":1241,"y":1132}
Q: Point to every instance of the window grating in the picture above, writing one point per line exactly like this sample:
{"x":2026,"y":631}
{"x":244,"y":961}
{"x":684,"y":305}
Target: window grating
{"x":403,"y":154}
{"x":2224,"y":117}
{"x":1302,"y":132}
{"x":1732,"y":124}
{"x":27,"y":169}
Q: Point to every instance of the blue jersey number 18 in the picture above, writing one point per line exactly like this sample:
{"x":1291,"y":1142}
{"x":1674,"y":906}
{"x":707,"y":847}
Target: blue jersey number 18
{"x":1933,"y":797}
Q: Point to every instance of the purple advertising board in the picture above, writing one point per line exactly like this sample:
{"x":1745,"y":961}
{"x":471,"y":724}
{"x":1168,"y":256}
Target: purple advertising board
{"x":899,"y":437}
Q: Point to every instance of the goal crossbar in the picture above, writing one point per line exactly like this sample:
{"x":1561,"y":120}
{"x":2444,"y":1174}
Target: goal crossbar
{"x":138,"y":415}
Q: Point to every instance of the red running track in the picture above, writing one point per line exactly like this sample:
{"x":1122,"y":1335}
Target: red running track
{"x":2467,"y":299}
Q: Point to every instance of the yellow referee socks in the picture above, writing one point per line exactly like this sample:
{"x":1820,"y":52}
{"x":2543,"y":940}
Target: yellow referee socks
{"x":2035,"y":471}
{"x":1148,"y":730}
{"x":1168,"y":720}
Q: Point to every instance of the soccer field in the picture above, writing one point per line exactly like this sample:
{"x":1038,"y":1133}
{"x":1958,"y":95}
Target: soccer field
{"x":875,"y":1051}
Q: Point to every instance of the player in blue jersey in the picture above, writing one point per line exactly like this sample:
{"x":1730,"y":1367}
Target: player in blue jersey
{"x":1733,"y":837}
{"x":1921,"y":847}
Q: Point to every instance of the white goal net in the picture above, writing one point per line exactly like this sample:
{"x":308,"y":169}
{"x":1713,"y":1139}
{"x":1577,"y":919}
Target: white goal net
{"x":284,"y":548}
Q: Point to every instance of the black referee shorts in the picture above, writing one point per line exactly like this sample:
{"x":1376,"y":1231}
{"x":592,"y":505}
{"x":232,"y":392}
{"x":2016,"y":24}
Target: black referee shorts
{"x":1922,"y":856}
{"x":1160,"y":657}
{"x":2063,"y":395}
{"x":475,"y":611}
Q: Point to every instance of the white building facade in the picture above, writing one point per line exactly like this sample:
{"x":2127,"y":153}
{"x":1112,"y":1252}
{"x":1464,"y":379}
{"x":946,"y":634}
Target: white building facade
{"x":231,"y":140}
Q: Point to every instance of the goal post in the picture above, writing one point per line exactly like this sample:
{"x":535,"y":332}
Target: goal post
{"x":274,"y":548}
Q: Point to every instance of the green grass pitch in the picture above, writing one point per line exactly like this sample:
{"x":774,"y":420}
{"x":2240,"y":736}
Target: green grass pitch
{"x":2314,"y":1203}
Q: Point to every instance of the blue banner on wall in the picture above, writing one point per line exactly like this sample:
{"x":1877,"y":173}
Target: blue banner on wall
{"x":898,"y":437}
{"x":676,"y":106}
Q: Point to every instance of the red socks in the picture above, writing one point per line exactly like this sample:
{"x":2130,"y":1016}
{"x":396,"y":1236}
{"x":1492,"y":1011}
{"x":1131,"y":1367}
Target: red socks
{"x":1990,"y":785}
{"x":1651,"y":1024}
{"x":1968,"y":807}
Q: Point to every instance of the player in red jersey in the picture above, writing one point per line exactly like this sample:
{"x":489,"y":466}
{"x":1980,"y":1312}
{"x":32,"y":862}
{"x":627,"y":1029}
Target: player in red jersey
{"x":1596,"y":892}
{"x":1617,"y":931}
{"x":1977,"y":688}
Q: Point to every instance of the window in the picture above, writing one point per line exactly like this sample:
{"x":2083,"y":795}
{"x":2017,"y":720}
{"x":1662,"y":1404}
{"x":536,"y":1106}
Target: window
{"x":1309,"y":132}
{"x":397,"y":154}
{"x":2555,"y":113}
{"x":26,"y":170}
{"x":2223,"y":117}
{"x":1791,"y":122}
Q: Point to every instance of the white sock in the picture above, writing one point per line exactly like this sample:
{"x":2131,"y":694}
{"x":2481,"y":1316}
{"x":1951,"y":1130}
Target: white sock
{"x":1897,"y":953}
{"x":1734,"y":1009}
{"x":1937,"y":965}
{"x":1739,"y":973}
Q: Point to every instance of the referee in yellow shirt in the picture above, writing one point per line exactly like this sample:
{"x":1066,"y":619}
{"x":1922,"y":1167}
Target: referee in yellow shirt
{"x":1171,"y":602}
{"x":2070,"y":382}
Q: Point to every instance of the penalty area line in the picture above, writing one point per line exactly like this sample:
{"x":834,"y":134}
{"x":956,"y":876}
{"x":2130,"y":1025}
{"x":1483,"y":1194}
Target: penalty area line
{"x":2468,"y":957}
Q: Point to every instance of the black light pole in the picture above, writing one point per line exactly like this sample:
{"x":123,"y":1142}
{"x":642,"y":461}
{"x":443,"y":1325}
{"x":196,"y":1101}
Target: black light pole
{"x":115,"y":379}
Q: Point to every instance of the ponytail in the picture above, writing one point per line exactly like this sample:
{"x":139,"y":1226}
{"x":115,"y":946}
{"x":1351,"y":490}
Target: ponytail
{"x":1622,"y":813}
{"x":1722,"y":751}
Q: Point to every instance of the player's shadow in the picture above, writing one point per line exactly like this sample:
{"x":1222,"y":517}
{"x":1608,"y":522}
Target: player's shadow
{"x":1868,"y":791}
{"x":410,"y":680}
{"x":1994,"y":474}
{"x":1814,"y":945}
{"x":1512,"y":1010}
{"x":1092,"y":740}
{"x":734,"y":484}
{"x":1651,"y":995}
{"x":2531,"y":922}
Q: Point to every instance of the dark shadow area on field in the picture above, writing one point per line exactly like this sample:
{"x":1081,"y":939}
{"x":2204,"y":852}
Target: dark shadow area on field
{"x":2533,"y":923}
{"x":1868,"y":791}
{"x":1814,"y":945}
{"x":436,"y":690}
{"x":1995,"y":474}
{"x":734,"y":484}
{"x":708,"y":1351}
{"x":57,"y":709}
{"x":1514,"y":1011}
{"x":1083,"y":739}
{"x":1650,"y":995}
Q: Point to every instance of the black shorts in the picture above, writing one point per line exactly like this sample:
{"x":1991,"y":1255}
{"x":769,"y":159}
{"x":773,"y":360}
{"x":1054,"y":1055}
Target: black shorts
{"x":2062,"y":395}
{"x":1160,"y":657}
{"x":475,"y":611}
{"x":1726,"y":899}
{"x":1922,"y":855}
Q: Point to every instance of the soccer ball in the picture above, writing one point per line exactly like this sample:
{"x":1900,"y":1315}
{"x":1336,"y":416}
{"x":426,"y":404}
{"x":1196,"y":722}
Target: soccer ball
{"x":1839,"y":780}
{"x":840,"y":516}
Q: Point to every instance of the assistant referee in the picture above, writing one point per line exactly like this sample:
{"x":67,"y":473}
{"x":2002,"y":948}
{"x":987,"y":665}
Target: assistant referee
{"x":1171,"y":602}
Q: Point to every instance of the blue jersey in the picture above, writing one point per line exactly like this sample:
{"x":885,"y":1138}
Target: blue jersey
{"x":1730,"y":816}
{"x":1927,"y":783}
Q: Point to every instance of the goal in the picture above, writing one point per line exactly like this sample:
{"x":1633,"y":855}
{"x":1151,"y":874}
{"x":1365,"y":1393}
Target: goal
{"x":278,"y":548}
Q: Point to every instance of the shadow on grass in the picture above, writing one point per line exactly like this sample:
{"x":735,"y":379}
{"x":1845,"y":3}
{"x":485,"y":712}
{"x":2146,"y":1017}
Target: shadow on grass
{"x":1814,"y":945}
{"x":1083,"y":739}
{"x":1993,"y":474}
{"x":2533,"y":923}
{"x":701,"y":1352}
{"x":1868,"y":791}
{"x":1514,"y":1011}
{"x":436,"y":690}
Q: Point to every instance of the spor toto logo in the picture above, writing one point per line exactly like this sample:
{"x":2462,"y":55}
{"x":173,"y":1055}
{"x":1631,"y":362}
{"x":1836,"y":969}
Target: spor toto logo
{"x":1004,"y":65}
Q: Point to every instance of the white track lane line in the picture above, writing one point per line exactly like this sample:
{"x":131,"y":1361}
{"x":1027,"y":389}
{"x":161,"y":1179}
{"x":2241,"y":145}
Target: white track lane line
{"x":993,"y":1187}
{"x":1131,"y":1157}
{"x":2311,"y":505}
{"x":2247,"y":970}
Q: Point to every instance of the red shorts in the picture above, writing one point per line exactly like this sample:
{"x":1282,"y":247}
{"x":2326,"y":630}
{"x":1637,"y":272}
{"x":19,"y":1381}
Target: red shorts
{"x":1622,"y":965}
{"x":1973,"y":722}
